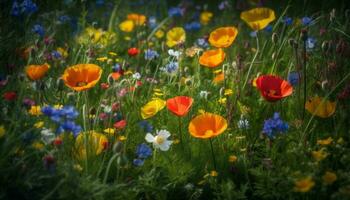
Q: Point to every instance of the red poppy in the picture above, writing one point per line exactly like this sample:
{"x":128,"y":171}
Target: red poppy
{"x":104,"y":86}
{"x":179,"y":105}
{"x":10,"y":96}
{"x":120,"y":124}
{"x":57,"y":142}
{"x":273,"y":88}
{"x":133,"y":51}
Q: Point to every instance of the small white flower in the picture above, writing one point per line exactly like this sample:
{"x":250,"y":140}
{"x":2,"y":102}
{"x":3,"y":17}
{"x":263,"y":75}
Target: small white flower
{"x":243,"y":123}
{"x":203,"y":94}
{"x":176,"y":54}
{"x":107,"y":109}
{"x":136,"y":76}
{"x":47,"y":135}
{"x":160,"y":141}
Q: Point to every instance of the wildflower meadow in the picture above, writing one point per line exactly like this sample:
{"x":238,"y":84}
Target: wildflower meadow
{"x":162,"y":99}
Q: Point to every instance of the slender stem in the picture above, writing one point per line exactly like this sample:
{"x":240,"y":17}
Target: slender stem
{"x":304,"y":74}
{"x":251,"y":63}
{"x":212,"y":153}
{"x":180,"y":129}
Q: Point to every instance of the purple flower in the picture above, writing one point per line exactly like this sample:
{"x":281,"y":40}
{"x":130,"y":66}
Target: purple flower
{"x":151,"y":54}
{"x":38,"y":29}
{"x":175,"y":12}
{"x":306,"y":21}
{"x":287,"y":21}
{"x":143,"y":151}
{"x":193,"y":26}
{"x":293,"y":78}
{"x":146,"y":126}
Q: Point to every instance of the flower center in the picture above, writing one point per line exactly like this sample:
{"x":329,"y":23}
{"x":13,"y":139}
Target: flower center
{"x":272,"y":92}
{"x":160,"y":139}
{"x":209,"y":132}
{"x":81,"y":83}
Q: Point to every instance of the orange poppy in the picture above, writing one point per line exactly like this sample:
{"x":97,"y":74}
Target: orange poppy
{"x":212,"y":58}
{"x":137,"y":18}
{"x":258,"y":18}
{"x":273,"y":88}
{"x":223,"y":37}
{"x":115,"y":75}
{"x":82,"y":76}
{"x":207,"y":125}
{"x":320,"y":107}
{"x":36,"y":72}
{"x":219,"y":78}
{"x":179,"y":105}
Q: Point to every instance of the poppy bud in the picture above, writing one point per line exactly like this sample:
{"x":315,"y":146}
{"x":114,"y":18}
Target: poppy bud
{"x":274,"y":38}
{"x":10,"y":96}
{"x":21,"y":77}
{"x":332,"y":15}
{"x":57,"y":142}
{"x":293,"y":43}
{"x":304,"y":34}
{"x":325,"y":46}
{"x":133,"y":51}
{"x":118,"y":147}
{"x":110,"y":80}
{"x":273,"y":56}
{"x":104,"y":86}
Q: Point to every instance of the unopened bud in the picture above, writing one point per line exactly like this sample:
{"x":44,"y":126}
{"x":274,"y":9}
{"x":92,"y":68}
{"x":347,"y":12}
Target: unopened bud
{"x":274,"y":38}
{"x":325,"y":46}
{"x":117,"y":147}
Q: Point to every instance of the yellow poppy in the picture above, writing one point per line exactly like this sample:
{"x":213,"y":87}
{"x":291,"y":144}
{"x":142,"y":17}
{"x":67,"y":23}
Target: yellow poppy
{"x":138,"y":19}
{"x":35,"y":110}
{"x":175,"y":36}
{"x":223,"y":37}
{"x":329,"y":178}
{"x":96,"y":143}
{"x":96,"y":36}
{"x":212,"y":58}
{"x":159,"y":34}
{"x":304,"y":185}
{"x":36,"y":72}
{"x":207,"y":125}
{"x":82,"y":76}
{"x":205,"y":17}
{"x":127,"y":26}
{"x":152,"y":108}
{"x":325,"y":142}
{"x":258,"y":18}
{"x":320,"y":107}
{"x":319,"y":155}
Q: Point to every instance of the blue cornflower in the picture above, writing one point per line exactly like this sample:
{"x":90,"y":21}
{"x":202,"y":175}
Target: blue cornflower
{"x":293,"y":78}
{"x":146,"y":126}
{"x":306,"y":21}
{"x":69,"y":126}
{"x":274,"y":126}
{"x":253,"y":34}
{"x":138,"y":162}
{"x":310,"y":43}
{"x":38,"y":29}
{"x":193,"y":26}
{"x":175,"y":12}
{"x":143,"y":151}
{"x":15,"y":9}
{"x":268,"y":28}
{"x":171,"y":67}
{"x":116,"y":67}
{"x":287,"y":21}
{"x":100,"y":2}
{"x":28,"y":7}
{"x":202,"y":42}
{"x":63,"y":19}
{"x":151,"y":54}
{"x":152,"y":22}
{"x":69,"y":112}
{"x":56,"y":54}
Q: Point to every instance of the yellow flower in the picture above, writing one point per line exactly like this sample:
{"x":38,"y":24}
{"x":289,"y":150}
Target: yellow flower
{"x":175,"y":36}
{"x":329,"y":178}
{"x":112,"y":53}
{"x":96,"y":143}
{"x":58,"y":106}
{"x":152,"y":108}
{"x":304,"y":185}
{"x":319,"y":155}
{"x":223,"y":37}
{"x":325,"y":141}
{"x":102,"y":59}
{"x":228,"y":92}
{"x":2,"y":131}
{"x":62,"y":51}
{"x":222,"y":100}
{"x":109,"y":131}
{"x":192,"y":51}
{"x":138,"y":19}
{"x":258,"y":18}
{"x":201,"y":111}
{"x":35,"y":110}
{"x":232,"y":159}
{"x":127,"y":38}
{"x":127,"y":26}
{"x":121,"y":138}
{"x":39,"y":124}
{"x":212,"y":58}
{"x":159,"y":34}
{"x":205,"y":17}
{"x":320,"y":107}
{"x":78,"y":168}
{"x":213,"y":173}
{"x":38,"y":145}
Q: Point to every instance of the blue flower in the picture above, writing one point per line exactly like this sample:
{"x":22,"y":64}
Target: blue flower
{"x":38,"y":29}
{"x":151,"y":54}
{"x":274,"y":126}
{"x":171,"y":67}
{"x":70,"y":126}
{"x":63,"y":19}
{"x":69,"y":112}
{"x":56,"y":54}
{"x":287,"y":21}
{"x":306,"y":21}
{"x":293,"y":78}
{"x":175,"y":12}
{"x":310,"y":43}
{"x":138,"y":162}
{"x":253,"y":34}
{"x":202,"y":42}
{"x":143,"y":151}
{"x":116,"y":67}
{"x":152,"y":22}
{"x":28,"y":7}
{"x":268,"y":28}
{"x":193,"y":26}
{"x":100,"y":2}
{"x":15,"y":9}
{"x":146,"y":126}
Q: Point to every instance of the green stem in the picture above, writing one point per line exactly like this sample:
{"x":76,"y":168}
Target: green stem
{"x":251,"y":63}
{"x":212,"y":153}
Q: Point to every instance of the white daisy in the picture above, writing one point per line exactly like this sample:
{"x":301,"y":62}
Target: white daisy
{"x":160,"y":141}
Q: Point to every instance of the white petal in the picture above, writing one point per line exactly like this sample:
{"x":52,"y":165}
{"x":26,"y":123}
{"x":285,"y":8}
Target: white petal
{"x":164,"y":133}
{"x":149,"y":138}
{"x":165,"y":146}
